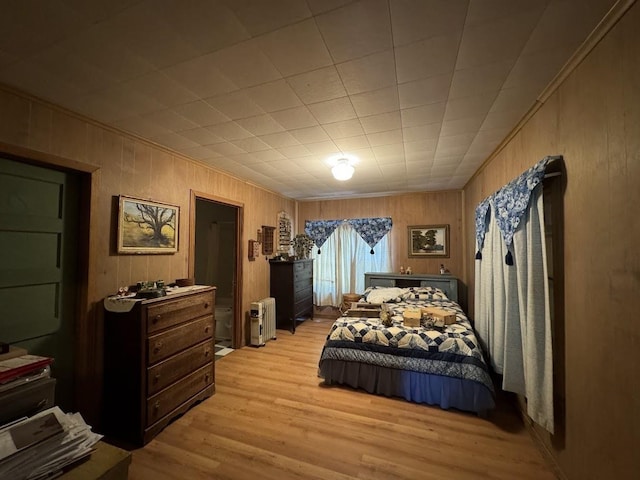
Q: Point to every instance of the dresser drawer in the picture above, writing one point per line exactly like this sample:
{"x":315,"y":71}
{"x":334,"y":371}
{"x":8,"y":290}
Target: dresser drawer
{"x":165,"y":373}
{"x":169,"y":313}
{"x":165,"y":344}
{"x":303,"y":294}
{"x":162,"y":403}
{"x":302,"y":271}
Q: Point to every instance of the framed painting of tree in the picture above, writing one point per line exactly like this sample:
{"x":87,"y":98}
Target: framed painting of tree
{"x":429,"y":241}
{"x":147,"y":227}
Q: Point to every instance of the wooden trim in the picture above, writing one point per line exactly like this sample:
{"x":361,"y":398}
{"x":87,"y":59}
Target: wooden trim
{"x":236,"y":340}
{"x":47,"y":160}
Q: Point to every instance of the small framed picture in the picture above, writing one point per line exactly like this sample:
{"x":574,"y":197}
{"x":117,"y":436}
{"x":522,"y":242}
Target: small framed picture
{"x":428,"y":241}
{"x":147,"y":227}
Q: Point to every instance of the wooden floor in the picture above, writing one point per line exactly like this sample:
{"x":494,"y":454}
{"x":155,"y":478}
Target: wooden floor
{"x":271,"y":418}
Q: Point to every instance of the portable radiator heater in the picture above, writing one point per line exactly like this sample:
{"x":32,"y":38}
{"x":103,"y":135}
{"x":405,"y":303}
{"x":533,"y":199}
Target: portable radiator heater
{"x":263,"y":321}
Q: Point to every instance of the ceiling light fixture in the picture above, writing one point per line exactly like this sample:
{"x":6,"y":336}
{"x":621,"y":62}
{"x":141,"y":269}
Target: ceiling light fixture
{"x":342,"y":170}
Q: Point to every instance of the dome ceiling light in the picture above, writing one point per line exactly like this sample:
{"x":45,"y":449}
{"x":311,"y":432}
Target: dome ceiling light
{"x":342,"y":170}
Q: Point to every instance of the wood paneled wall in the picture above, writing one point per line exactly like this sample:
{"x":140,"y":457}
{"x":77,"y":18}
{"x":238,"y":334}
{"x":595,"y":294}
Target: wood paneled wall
{"x":121,"y":164}
{"x":412,"y":209}
{"x":593,"y":120}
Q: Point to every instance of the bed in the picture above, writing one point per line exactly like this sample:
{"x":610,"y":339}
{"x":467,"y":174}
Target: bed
{"x":436,"y":366}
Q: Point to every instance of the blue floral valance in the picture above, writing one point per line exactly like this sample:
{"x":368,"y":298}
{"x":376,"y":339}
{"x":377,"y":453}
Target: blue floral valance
{"x":509,"y":205}
{"x":481,"y":224}
{"x":370,"y":229}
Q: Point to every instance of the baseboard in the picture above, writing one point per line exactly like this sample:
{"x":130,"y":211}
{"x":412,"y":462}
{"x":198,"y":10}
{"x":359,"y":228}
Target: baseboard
{"x":540,"y":444}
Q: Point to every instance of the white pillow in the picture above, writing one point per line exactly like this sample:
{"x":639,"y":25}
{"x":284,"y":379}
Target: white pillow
{"x":386,"y":294}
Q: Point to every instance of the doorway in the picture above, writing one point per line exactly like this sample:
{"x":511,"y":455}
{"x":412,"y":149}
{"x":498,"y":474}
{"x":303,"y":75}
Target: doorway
{"x":40,"y":210}
{"x":216,"y":261}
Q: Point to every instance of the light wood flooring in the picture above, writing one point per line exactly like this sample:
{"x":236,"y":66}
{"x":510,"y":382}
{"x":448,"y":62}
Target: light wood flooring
{"x":271,"y":418}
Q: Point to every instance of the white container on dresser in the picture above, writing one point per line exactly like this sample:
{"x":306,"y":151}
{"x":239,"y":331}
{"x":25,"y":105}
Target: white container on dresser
{"x":158,"y":362}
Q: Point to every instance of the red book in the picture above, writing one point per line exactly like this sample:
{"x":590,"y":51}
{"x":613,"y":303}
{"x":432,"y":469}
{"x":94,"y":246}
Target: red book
{"x":18,"y":366}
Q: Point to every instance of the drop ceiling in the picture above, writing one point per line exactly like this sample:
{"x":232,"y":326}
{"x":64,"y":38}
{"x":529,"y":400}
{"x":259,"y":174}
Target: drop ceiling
{"x":421,"y":91}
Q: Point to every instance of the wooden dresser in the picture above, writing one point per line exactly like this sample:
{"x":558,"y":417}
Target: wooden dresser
{"x":292,"y":287}
{"x":158,"y":362}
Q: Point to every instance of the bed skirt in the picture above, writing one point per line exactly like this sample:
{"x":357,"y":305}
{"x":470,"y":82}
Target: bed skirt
{"x":446,"y":392}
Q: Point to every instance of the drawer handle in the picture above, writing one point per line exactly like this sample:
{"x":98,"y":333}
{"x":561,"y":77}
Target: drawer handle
{"x":207,"y":352}
{"x":206,"y":304}
{"x":206,"y":329}
{"x":206,"y":377}
{"x":157,"y":318}
{"x":157,"y":405}
{"x":157,"y":347}
{"x":157,"y":377}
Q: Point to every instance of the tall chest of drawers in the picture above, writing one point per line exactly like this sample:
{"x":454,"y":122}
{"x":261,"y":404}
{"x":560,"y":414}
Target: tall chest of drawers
{"x":292,"y":287}
{"x":158,"y":362}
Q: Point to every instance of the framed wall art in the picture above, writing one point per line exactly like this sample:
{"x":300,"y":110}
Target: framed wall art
{"x":428,"y":241}
{"x":147,"y":227}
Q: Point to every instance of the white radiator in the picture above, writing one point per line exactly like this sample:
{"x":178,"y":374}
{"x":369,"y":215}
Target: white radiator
{"x":263,"y":321}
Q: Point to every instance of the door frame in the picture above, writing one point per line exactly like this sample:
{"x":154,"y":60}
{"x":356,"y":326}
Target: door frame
{"x":87,"y":358}
{"x":236,"y":337}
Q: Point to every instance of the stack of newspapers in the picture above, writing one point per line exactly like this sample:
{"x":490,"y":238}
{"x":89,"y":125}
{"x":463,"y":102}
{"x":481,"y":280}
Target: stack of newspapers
{"x":45,"y":445}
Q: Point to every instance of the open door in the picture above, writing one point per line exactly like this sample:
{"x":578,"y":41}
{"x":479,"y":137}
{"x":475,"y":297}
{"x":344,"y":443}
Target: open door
{"x":216,"y":259}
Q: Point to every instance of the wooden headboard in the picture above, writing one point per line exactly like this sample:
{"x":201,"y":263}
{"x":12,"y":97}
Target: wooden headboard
{"x":446,"y":283}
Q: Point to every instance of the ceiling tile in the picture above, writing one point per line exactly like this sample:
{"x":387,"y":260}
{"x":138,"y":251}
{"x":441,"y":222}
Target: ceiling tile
{"x":331,"y":111}
{"x":274,"y":96}
{"x":520,"y":99}
{"x":536,"y":70}
{"x":229,"y":131}
{"x":352,"y":143}
{"x":245,"y":65}
{"x":348,"y":38}
{"x":385,"y":138}
{"x":235,"y":105}
{"x":260,"y":124}
{"x":162,"y":88}
{"x":294,"y":151}
{"x":297,"y":48}
{"x":201,"y":136}
{"x":318,"y":85}
{"x":428,"y":90}
{"x":393,"y":151}
{"x":310,"y":135}
{"x":280,"y":140}
{"x":381,"y":122}
{"x":481,"y":79}
{"x":461,"y":125}
{"x":201,"y":113}
{"x":260,"y":17}
{"x":368,"y":73}
{"x":421,"y":146}
{"x":202,"y":76}
{"x":327,"y":147}
{"x":424,"y":114}
{"x":377,"y":101}
{"x":148,"y":33}
{"x":421,"y":132}
{"x":251,"y":144}
{"x":476,"y":105}
{"x":427,"y":58}
{"x":564,"y":23}
{"x":174,"y":141}
{"x":414,"y":20}
{"x":170,"y":120}
{"x":206,"y":25}
{"x":348,"y":128}
{"x":268,"y":155}
{"x":225,"y":149}
{"x":495,"y":41}
{"x":293,"y":118}
{"x":321,"y":6}
{"x":486,"y":11}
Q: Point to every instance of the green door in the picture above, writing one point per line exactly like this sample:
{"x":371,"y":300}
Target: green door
{"x":37,"y":308}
